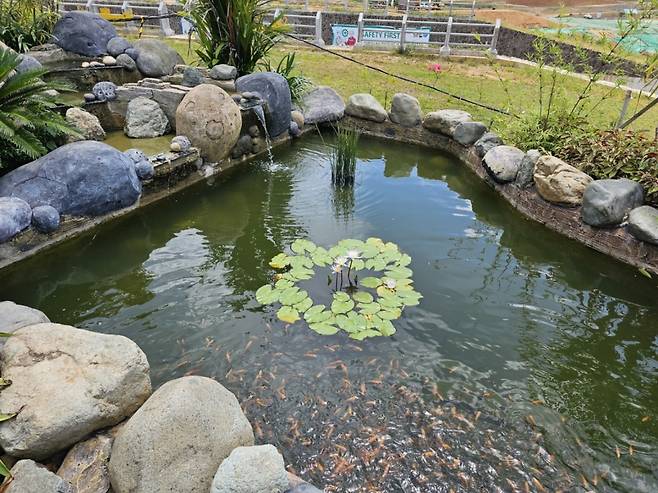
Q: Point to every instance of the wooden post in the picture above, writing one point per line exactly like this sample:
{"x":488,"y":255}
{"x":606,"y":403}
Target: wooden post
{"x":624,"y":108}
{"x":445,"y":49}
{"x":403,"y":33}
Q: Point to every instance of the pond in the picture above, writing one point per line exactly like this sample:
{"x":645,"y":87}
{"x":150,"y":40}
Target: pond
{"x":530,"y":364}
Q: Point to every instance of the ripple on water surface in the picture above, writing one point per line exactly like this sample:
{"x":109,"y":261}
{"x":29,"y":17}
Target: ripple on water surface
{"x":530,"y":364}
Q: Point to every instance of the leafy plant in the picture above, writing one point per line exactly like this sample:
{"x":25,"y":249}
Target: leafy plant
{"x":363,"y":308}
{"x":29,"y":123}
{"x":343,"y":156}
{"x":26,"y":23}
{"x":298,"y":84}
{"x":234,"y":32}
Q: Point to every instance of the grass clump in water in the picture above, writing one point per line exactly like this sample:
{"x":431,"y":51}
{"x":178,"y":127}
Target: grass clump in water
{"x":343,"y":156}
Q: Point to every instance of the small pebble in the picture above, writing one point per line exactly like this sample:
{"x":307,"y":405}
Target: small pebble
{"x":109,"y":60}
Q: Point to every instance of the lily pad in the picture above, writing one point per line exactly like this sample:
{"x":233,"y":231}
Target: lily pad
{"x":300,"y":246}
{"x":362,"y":297}
{"x":292,"y":296}
{"x":370,"y":282}
{"x":323,"y":328}
{"x":266,"y":295}
{"x":288,"y":314}
{"x":338,"y":306}
{"x":279,"y":261}
{"x":304,"y":305}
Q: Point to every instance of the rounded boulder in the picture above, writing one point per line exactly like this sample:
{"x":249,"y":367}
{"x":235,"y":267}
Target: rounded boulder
{"x":83,"y":33}
{"x":45,"y":218}
{"x":210,"y":118}
{"x":155,"y":58}
{"x":15,"y":215}
{"x":177,"y":439}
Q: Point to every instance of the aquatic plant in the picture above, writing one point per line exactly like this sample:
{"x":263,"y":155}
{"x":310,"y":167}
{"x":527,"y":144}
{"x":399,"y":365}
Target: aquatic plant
{"x":29,"y":123}
{"x":343,"y":156}
{"x":361,"y":308}
{"x":234,"y":32}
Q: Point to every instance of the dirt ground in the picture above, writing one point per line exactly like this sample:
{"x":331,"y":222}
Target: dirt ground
{"x":514,"y":18}
{"x":564,"y":3}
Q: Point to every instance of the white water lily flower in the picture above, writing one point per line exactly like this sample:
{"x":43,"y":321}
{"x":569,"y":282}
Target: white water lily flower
{"x":341,"y":261}
{"x":391,"y":284}
{"x":336,"y":268}
{"x":353,"y":254}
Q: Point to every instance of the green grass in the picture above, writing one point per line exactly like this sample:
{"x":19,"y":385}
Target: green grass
{"x":472,"y":78}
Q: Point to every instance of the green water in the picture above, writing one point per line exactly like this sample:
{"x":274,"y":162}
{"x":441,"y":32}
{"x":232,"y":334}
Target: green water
{"x":150,"y":146}
{"x":531,"y":359}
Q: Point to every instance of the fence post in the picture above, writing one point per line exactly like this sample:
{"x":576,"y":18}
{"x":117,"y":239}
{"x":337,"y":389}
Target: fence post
{"x":365,"y":5}
{"x":91,"y":7}
{"x":359,"y":28}
{"x":473,"y":10}
{"x":318,"y":28}
{"x":494,"y":39}
{"x":125,"y":8}
{"x":450,"y":9}
{"x":403,"y":33}
{"x":624,"y":108}
{"x":445,"y":49}
{"x":165,"y":27}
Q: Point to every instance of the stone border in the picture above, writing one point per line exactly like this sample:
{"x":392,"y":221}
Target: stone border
{"x":615,"y":242}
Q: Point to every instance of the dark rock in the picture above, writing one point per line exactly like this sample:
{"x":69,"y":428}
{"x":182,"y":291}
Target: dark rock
{"x":86,"y":465}
{"x":486,"y":142}
{"x":502,"y":163}
{"x":105,"y":91}
{"x":126,"y":62}
{"x":28,"y":63}
{"x":85,"y":178}
{"x":294,"y":129}
{"x":156,"y":58}
{"x":223,"y":72}
{"x":467,"y":133}
{"x":606,"y":202}
{"x":243,"y":147}
{"x":258,"y":144}
{"x":118,"y":45}
{"x":182,"y":142}
{"x":143,"y":166}
{"x":274,"y":90}
{"x":254,"y":131}
{"x":89,"y":97}
{"x":643,"y":224}
{"x":192,"y":77}
{"x":525,"y":176}
{"x":45,"y":218}
{"x":322,"y":105}
{"x":15,"y":216}
{"x":83,"y":33}
{"x":132,"y":53}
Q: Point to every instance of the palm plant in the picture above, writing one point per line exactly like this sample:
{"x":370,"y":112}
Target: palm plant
{"x":29,"y":123}
{"x":234,"y":32}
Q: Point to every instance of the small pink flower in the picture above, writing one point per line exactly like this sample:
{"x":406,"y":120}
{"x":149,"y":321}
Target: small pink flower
{"x":434,"y":67}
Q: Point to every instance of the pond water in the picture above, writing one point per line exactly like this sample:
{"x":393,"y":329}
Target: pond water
{"x":530,"y":365}
{"x":150,"y":146}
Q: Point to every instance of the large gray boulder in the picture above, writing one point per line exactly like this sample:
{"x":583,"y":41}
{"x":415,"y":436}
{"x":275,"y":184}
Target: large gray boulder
{"x":177,"y":439}
{"x":322,"y":105}
{"x":82,"y":179}
{"x":28,"y":63}
{"x":211,"y":120}
{"x":223,"y":72}
{"x":85,"y":465}
{"x":118,"y":45}
{"x":643,"y":224}
{"x":67,"y":383}
{"x":30,"y":477}
{"x":145,"y":119}
{"x":559,"y":182}
{"x":525,"y":176}
{"x":15,"y":216}
{"x":445,"y":121}
{"x":366,"y":107}
{"x":487,"y":142}
{"x":89,"y":125}
{"x":126,"y":62}
{"x":258,"y":469}
{"x":606,"y":202}
{"x":467,"y":133}
{"x":83,"y":33}
{"x":405,"y":110}
{"x":274,"y":90}
{"x":502,"y":163}
{"x":155,"y":58}
{"x":14,"y":317}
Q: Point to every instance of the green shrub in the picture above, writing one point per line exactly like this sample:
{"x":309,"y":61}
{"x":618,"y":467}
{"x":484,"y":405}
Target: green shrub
{"x":29,"y":123}
{"x":26,"y":23}
{"x":234,"y":32}
{"x":614,"y":154}
{"x":298,"y":84}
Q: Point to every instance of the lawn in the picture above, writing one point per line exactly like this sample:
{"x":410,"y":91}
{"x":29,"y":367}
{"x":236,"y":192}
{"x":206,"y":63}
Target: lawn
{"x":476,"y":79}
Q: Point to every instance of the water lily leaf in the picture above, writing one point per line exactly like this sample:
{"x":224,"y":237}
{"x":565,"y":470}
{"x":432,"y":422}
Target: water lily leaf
{"x":347,"y":324}
{"x":340,"y":296}
{"x":279,"y":261}
{"x":283,"y":284}
{"x":386,"y":327}
{"x":391,"y":302}
{"x":375,"y":264}
{"x":336,"y":251}
{"x":358,"y":264}
{"x":384,"y":292}
{"x":362,"y":297}
{"x":359,"y":321}
{"x":301,"y":274}
{"x":399,"y":272}
{"x":350,"y":244}
{"x":304,"y":305}
{"x":300,"y":246}
{"x":390,"y":314}
{"x":321,"y":257}
{"x":292,"y":296}
{"x":300,"y":262}
{"x":404,"y":260}
{"x":371,"y":282}
{"x":369,"y":308}
{"x":288,"y":314}
{"x":376,"y":242}
{"x":341,"y":306}
{"x":313,"y":315}
{"x":389,"y":256}
{"x":363,"y":334}
{"x":323,"y":328}
{"x":265,"y":295}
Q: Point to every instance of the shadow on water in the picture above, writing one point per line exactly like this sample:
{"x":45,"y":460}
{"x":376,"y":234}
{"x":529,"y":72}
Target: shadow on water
{"x":530,"y":364}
